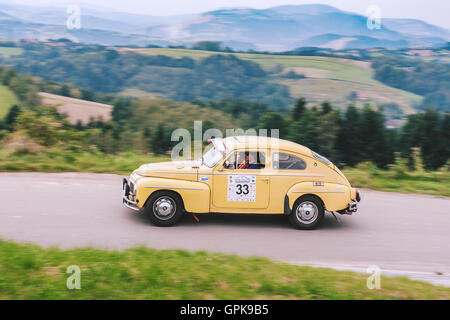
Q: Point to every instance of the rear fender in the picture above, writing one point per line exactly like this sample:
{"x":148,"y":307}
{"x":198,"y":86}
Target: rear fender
{"x":333,"y":195}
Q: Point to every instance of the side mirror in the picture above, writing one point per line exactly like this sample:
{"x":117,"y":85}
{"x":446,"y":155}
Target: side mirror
{"x":226,"y":164}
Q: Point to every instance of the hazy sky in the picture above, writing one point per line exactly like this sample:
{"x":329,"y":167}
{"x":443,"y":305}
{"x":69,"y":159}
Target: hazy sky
{"x":432,"y":11}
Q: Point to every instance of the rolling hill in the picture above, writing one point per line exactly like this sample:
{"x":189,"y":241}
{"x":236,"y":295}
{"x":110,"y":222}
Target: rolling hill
{"x":332,"y":79}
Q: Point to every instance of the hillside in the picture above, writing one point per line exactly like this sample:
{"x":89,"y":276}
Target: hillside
{"x":332,"y":79}
{"x":7,"y":99}
{"x":105,"y":70}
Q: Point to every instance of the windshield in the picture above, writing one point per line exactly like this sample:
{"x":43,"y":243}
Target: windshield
{"x":211,"y":156}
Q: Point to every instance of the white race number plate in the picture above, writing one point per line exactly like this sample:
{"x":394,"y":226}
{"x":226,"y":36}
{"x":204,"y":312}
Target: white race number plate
{"x":241,"y":188}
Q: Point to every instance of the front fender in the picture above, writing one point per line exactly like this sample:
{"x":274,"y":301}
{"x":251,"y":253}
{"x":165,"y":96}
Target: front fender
{"x":334,"y":196}
{"x":195,"y":195}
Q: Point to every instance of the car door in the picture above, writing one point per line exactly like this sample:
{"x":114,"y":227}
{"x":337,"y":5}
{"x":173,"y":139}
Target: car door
{"x":238,"y":186}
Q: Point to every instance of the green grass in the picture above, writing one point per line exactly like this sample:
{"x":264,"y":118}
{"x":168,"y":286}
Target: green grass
{"x":335,"y":78}
{"x":368,"y":176}
{"x":65,"y":161}
{"x":337,"y":68}
{"x":31,"y":272}
{"x":363,"y":176}
{"x":7,"y":99}
{"x":10,"y":51}
{"x":133,"y":92}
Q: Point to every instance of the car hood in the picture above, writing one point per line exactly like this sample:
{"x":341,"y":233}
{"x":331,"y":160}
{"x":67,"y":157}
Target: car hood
{"x":184,"y":170}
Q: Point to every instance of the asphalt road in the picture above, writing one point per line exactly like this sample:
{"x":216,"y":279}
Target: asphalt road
{"x":402,"y":234}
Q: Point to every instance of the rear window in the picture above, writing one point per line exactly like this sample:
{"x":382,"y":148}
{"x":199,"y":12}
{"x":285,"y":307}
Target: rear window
{"x":321,"y":158}
{"x":284,"y":161}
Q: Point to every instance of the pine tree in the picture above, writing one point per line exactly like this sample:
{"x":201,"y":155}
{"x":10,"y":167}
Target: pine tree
{"x":11,"y":116}
{"x":430,"y":139}
{"x":326,"y":107}
{"x":272,"y":120}
{"x":445,"y":139}
{"x":148,"y":138}
{"x":374,"y":144}
{"x":159,"y":143}
{"x":299,"y":109}
{"x":305,"y":130}
{"x":348,"y":140}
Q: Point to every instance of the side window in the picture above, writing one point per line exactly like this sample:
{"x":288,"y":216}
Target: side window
{"x":284,"y":161}
{"x":246,"y":160}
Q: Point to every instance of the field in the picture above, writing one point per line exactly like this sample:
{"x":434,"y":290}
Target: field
{"x":133,"y":92}
{"x":31,"y":272}
{"x":330,"y":79}
{"x":76,"y":109}
{"x":7,"y":99}
{"x":8,"y":52}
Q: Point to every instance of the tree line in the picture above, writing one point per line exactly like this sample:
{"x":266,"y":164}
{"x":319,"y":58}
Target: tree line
{"x":359,"y":135}
{"x":432,"y":80}
{"x":345,"y":137}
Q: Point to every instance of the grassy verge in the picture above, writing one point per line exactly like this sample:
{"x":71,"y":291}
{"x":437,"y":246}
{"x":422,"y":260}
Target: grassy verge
{"x":363,"y":176}
{"x":65,"y":161}
{"x":395,"y":180}
{"x":31,"y":272}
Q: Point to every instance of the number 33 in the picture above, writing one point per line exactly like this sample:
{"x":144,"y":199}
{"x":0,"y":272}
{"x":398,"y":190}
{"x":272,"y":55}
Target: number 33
{"x":240,"y":186}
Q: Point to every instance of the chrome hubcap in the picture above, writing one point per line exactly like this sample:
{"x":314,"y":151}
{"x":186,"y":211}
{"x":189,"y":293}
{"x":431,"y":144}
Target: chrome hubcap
{"x":307,"y":212}
{"x":164,"y":208}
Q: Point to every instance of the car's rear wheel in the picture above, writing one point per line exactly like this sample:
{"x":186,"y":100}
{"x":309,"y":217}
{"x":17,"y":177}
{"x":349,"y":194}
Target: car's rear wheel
{"x":307,"y":213}
{"x":164,"y":208}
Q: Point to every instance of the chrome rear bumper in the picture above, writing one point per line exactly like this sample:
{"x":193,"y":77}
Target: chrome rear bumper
{"x":352,"y":208}
{"x":126,"y":187}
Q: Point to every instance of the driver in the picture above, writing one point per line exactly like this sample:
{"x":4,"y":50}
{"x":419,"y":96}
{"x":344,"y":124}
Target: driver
{"x":250,"y":162}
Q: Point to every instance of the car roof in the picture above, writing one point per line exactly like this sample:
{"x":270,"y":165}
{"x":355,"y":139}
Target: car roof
{"x":257,"y":142}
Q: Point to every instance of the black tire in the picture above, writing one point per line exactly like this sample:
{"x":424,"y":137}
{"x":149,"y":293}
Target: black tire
{"x":307,"y":213}
{"x":164,"y":208}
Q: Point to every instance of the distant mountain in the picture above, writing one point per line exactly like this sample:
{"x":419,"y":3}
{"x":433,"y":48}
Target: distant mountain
{"x":275,"y":29}
{"x":286,"y":27}
{"x":5,"y":16}
{"x":339,"y":42}
{"x":416,"y":28}
{"x":304,"y":9}
{"x":92,"y":18}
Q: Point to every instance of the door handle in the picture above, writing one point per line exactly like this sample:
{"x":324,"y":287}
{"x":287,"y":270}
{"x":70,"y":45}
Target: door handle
{"x":220,"y":170}
{"x":265,"y":179}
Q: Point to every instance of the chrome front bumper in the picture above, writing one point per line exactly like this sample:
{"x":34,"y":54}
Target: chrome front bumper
{"x":127,"y":191}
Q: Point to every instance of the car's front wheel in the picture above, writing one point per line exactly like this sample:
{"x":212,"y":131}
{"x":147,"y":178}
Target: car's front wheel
{"x":164,"y":208}
{"x":307,"y":213}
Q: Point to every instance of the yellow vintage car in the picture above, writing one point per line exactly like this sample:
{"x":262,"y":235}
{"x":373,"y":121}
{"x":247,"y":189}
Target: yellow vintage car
{"x":242,"y":174}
